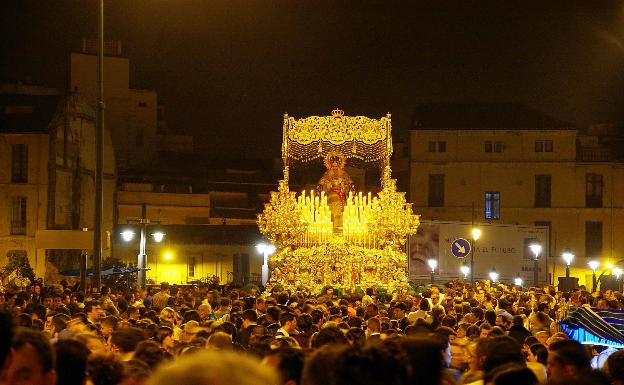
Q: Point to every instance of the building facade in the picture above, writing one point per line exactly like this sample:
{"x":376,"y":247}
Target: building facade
{"x":47,"y":163}
{"x":519,"y":167}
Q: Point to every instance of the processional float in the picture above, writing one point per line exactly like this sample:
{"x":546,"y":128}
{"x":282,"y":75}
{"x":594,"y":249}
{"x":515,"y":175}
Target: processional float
{"x":333,"y":235}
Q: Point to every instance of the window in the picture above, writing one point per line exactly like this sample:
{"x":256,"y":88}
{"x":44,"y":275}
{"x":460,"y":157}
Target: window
{"x":543,"y":146}
{"x":593,"y":190}
{"x":18,"y":216}
{"x":436,"y":190}
{"x":542,"y":190}
{"x":440,"y":146}
{"x":191,"y":266}
{"x":593,"y":239}
{"x":19,"y":163}
{"x":491,"y":146}
{"x":142,"y":104}
{"x":492,"y":205}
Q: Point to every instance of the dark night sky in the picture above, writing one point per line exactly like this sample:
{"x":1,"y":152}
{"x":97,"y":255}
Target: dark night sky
{"x":228,"y":70}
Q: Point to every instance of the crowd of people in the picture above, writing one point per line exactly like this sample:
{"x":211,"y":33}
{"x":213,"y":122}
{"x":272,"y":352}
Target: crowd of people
{"x":453,"y":334}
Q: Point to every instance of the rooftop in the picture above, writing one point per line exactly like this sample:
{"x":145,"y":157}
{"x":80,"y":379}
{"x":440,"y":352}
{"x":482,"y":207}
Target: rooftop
{"x":483,"y":116}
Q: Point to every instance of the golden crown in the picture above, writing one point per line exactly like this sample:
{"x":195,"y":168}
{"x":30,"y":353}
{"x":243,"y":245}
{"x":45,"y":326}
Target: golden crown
{"x":337,"y":113}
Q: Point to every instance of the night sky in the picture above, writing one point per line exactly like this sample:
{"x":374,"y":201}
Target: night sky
{"x":228,"y":70}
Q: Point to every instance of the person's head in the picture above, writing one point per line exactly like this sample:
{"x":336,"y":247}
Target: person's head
{"x":484,"y":330}
{"x":399,"y":310}
{"x":150,"y":353}
{"x":288,"y":362}
{"x":615,"y":367}
{"x":93,"y":310}
{"x":542,"y":337}
{"x":71,"y":362}
{"x":424,"y":305}
{"x":108,"y":325}
{"x":214,"y":367}
{"x":125,"y":340}
{"x":6,"y":335}
{"x":538,"y":353}
{"x":104,"y":369}
{"x":219,"y":341}
{"x":511,"y":374}
{"x":373,"y":364}
{"x":288,"y":321}
{"x":168,"y":314}
{"x":500,"y":351}
{"x":330,"y":335}
{"x":566,"y":359}
{"x":164,"y":336}
{"x":32,"y":361}
{"x":204,"y":310}
{"x":250,"y":317}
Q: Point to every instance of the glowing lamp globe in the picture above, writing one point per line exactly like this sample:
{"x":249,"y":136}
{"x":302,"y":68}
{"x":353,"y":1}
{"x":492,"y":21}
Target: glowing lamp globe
{"x":493,"y":275}
{"x":567,"y":257}
{"x":594,"y":265}
{"x":127,"y":235}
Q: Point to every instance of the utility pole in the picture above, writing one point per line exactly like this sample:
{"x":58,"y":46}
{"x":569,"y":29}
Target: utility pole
{"x":99,"y":156}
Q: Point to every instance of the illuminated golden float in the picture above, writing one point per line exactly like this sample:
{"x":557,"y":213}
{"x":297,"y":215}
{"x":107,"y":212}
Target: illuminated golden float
{"x":333,"y":235}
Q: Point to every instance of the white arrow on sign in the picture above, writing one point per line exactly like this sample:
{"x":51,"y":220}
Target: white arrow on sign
{"x":461,"y":248}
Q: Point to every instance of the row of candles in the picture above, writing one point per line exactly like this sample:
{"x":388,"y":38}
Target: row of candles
{"x":356,"y":218}
{"x":315,"y":212}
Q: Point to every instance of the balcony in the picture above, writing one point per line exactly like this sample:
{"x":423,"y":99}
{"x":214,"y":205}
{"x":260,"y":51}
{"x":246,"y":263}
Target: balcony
{"x":594,"y":154}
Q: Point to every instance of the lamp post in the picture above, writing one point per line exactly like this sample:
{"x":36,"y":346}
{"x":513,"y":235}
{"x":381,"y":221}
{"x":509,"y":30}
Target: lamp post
{"x":99,"y":155}
{"x":433,"y":263}
{"x":265,"y":250}
{"x":476,"y":234}
{"x":128,"y":235}
{"x":567,"y":258}
{"x":594,"y":265}
{"x":536,"y":248}
{"x":465,"y":269}
{"x":493,"y":275}
{"x":518,"y":281}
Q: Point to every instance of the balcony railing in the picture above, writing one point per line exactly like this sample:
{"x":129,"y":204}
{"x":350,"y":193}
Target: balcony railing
{"x":595,"y":155}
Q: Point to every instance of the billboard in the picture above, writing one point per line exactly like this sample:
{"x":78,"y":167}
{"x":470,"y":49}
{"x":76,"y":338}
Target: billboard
{"x":503,"y":247}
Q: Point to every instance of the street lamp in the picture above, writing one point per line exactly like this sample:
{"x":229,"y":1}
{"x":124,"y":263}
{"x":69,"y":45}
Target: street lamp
{"x":594,"y":265}
{"x":265,"y":250}
{"x":567,"y":257}
{"x":493,"y":275}
{"x":128,"y":235}
{"x":433,"y":263}
{"x":518,"y":280}
{"x":617,"y":272}
{"x":476,"y":234}
{"x":536,"y":248}
{"x":464,"y":270}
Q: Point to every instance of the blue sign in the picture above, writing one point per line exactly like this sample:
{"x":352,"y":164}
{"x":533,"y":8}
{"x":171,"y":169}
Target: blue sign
{"x":460,"y":247}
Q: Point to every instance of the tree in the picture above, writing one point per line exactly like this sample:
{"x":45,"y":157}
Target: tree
{"x":18,"y":266}
{"x":117,"y":281}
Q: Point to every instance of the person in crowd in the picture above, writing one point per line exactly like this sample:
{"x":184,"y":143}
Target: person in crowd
{"x":71,"y":362}
{"x":32,"y":360}
{"x":215,"y":367}
{"x":567,"y":360}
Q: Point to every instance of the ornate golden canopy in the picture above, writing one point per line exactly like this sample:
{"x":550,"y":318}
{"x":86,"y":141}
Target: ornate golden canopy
{"x":361,"y":244}
{"x":359,"y":137}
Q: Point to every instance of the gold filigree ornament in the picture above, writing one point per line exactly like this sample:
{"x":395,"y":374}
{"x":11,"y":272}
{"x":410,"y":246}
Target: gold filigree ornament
{"x":281,"y":221}
{"x":394,"y":221}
